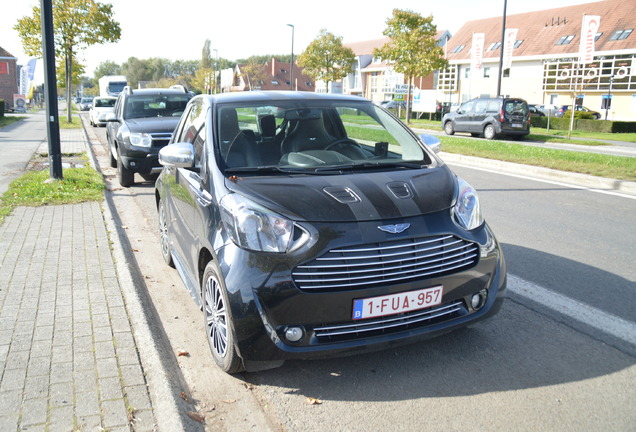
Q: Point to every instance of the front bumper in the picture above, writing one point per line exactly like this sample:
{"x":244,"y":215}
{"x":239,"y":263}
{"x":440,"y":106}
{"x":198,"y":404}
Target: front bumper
{"x":266,"y":299}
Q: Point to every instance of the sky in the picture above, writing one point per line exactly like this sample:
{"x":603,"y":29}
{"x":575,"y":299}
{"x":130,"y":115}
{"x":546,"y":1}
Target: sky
{"x":177,"y":30}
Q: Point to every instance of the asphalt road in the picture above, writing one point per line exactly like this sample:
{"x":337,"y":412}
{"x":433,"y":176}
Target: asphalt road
{"x":533,"y":367}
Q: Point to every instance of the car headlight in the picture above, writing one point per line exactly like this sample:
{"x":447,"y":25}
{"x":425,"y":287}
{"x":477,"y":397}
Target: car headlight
{"x":140,"y":139}
{"x":253,"y":227}
{"x":466,"y":211}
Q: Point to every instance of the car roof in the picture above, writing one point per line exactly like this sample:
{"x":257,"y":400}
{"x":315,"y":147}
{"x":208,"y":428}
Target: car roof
{"x":267,"y":96}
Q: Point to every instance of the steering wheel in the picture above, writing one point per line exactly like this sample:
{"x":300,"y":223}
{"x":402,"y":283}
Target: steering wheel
{"x":342,"y":142}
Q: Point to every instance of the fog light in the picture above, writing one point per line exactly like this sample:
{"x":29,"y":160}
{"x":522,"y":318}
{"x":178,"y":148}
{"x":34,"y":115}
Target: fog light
{"x":294,"y":334}
{"x":133,"y":163}
{"x":478,"y":300}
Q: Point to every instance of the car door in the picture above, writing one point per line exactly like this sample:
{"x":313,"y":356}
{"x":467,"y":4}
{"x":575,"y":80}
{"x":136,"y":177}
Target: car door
{"x":462,"y":119}
{"x":184,"y":184}
{"x":478,"y":116}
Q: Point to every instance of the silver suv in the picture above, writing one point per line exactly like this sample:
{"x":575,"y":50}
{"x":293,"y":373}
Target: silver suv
{"x":490,"y":118}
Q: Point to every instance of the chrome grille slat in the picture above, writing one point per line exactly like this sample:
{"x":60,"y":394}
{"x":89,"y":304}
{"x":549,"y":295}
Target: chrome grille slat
{"x":359,"y":267}
{"x":419,"y":257}
{"x":383,"y":270}
{"x":353,"y":329}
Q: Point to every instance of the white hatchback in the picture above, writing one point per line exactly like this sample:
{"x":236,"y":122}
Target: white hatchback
{"x":102,"y":105}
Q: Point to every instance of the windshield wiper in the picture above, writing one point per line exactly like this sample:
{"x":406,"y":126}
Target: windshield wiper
{"x":263,"y":169}
{"x":373,"y":165}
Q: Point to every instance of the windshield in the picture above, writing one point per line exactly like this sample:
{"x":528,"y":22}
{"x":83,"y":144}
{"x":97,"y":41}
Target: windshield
{"x":105,"y":102}
{"x":310,"y":136}
{"x":155,"y":106}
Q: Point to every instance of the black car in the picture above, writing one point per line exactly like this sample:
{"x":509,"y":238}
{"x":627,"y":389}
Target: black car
{"x":142,"y":122}
{"x":534,"y":111}
{"x":490,"y":117}
{"x":326,"y":228}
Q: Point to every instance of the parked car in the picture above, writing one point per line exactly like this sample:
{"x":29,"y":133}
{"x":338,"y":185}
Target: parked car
{"x":490,"y":117}
{"x":141,"y":123}
{"x":310,"y":235}
{"x":534,"y":111}
{"x":564,"y":108}
{"x":101,"y":106}
{"x":85,"y":103}
{"x":393,"y":104}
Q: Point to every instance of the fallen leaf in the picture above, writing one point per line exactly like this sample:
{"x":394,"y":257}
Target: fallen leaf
{"x":184,"y":396}
{"x":183,"y":353}
{"x":196,"y":416}
{"x":248,"y":386}
{"x":313,"y":401}
{"x":135,"y":250}
{"x":124,"y":227}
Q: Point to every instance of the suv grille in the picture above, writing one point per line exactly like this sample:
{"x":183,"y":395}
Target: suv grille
{"x":360,"y":267}
{"x":160,"y":139}
{"x":389,"y":324}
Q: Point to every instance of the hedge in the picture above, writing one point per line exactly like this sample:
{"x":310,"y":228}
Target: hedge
{"x":606,"y":126}
{"x":1,"y":107}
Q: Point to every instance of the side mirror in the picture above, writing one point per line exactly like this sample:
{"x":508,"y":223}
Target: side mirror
{"x":179,"y":155}
{"x":432,"y":142}
{"x":110,"y":117}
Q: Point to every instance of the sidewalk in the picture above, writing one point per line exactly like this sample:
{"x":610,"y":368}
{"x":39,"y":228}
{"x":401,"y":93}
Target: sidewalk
{"x":69,"y":355}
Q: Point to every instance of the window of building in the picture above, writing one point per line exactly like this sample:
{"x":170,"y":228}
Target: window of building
{"x":518,"y":43}
{"x":506,"y":73}
{"x":598,"y":35}
{"x":274,"y":82}
{"x":467,"y":73}
{"x":486,"y":72}
{"x":458,"y":48}
{"x":494,"y":46}
{"x":565,"y":40}
{"x":284,"y":71}
{"x":621,"y":34}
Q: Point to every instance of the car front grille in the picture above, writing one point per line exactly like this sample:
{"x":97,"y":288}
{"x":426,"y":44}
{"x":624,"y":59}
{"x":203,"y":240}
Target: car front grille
{"x":368,"y":266}
{"x":389,"y":324}
{"x":160,"y":139}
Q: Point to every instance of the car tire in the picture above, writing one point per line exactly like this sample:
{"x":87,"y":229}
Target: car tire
{"x":489,"y":132}
{"x":219,"y":326}
{"x":449,"y":128}
{"x":113,"y":160}
{"x":164,"y":237}
{"x":125,"y":176}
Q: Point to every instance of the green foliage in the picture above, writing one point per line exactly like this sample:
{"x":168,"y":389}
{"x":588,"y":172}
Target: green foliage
{"x":77,"y":25}
{"x":254,"y":74}
{"x":326,"y":59}
{"x":1,"y":107}
{"x":581,"y":124}
{"x":413,"y":47}
{"x":105,"y":68}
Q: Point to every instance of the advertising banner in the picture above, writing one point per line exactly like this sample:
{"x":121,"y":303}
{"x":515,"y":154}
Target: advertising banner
{"x":477,"y":52}
{"x":588,"y":34}
{"x":510,"y":39}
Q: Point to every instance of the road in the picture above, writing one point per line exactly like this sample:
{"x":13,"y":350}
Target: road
{"x":533,"y":367}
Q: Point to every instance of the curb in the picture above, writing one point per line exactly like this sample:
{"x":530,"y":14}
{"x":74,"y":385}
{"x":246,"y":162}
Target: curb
{"x":161,"y":384}
{"x":573,"y":179}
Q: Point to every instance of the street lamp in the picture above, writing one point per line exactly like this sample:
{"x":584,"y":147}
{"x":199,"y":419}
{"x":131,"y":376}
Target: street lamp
{"x":609,"y":96}
{"x":291,"y":63}
{"x":501,"y":48}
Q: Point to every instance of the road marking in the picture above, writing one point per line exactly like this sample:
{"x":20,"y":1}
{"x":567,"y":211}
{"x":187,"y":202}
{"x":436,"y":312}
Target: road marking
{"x":543,"y":180}
{"x":584,"y":313}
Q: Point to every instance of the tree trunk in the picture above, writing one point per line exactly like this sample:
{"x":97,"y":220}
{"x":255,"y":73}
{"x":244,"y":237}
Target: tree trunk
{"x":408,"y":100}
{"x":69,"y":87}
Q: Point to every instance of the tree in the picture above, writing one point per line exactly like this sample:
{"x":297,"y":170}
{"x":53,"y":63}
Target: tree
{"x":206,"y":56}
{"x":78,"y":24}
{"x":254,"y":73}
{"x":413,"y":47}
{"x":326,"y":59}
{"x":107,"y":67}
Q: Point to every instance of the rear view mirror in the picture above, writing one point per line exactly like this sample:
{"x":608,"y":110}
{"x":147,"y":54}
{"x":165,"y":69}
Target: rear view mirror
{"x":179,"y":155}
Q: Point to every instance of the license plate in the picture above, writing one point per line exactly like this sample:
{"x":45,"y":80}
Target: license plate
{"x":517,"y":125}
{"x":397,"y":303}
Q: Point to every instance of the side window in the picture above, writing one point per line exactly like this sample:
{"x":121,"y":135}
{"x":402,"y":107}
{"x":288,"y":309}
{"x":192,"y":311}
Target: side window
{"x":493,"y":106}
{"x":199,"y":145}
{"x":480,"y":106}
{"x":467,"y":107}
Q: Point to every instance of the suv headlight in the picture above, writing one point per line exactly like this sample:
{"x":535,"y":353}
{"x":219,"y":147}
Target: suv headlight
{"x":253,"y":227}
{"x":140,"y":139}
{"x":467,"y":211}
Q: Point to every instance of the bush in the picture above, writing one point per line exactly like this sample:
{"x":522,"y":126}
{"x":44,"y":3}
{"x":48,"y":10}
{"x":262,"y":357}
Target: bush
{"x":1,"y":107}
{"x":582,"y":124}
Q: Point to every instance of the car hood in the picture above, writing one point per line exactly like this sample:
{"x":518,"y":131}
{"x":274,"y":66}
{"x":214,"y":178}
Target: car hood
{"x":352,"y":197}
{"x":152,"y":124}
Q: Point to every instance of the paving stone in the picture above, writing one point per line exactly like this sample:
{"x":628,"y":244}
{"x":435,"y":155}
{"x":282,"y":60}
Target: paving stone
{"x":87,"y":403}
{"x":115,"y":413}
{"x":34,"y":411}
{"x":61,"y":394}
{"x":61,"y":418}
{"x":110,"y":388}
{"x":132,"y":375}
{"x":36,"y":387}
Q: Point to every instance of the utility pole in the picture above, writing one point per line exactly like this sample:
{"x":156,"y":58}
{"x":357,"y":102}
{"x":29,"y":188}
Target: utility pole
{"x":501,"y":49}
{"x":291,"y":63}
{"x":50,"y":91}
